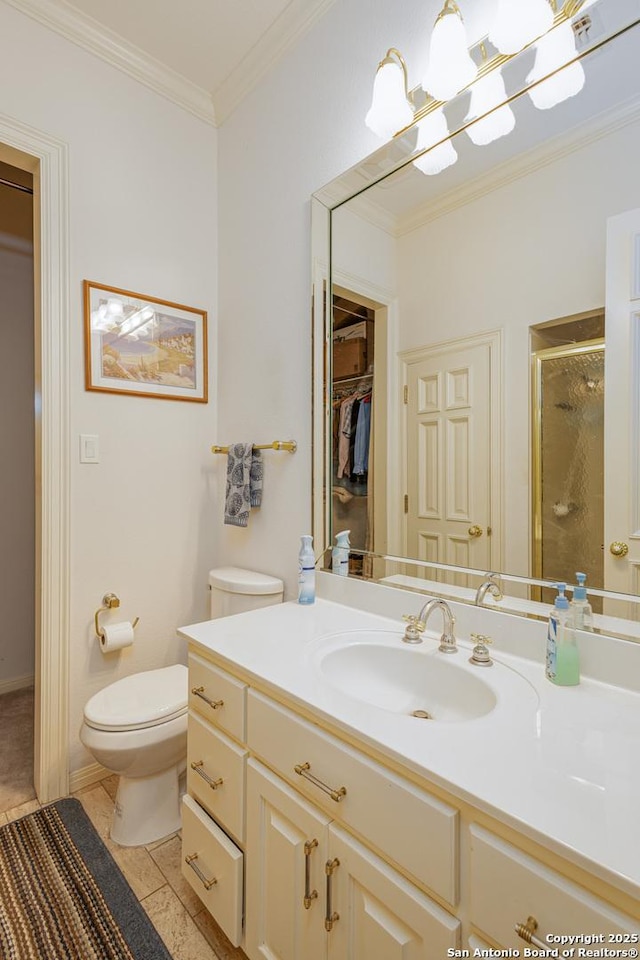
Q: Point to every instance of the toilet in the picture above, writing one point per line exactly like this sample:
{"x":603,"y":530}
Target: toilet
{"x":137,"y":726}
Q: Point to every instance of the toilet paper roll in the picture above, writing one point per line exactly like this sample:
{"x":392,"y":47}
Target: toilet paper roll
{"x":115,"y":636}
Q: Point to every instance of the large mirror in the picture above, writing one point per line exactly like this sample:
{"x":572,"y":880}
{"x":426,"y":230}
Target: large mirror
{"x":478,"y":371}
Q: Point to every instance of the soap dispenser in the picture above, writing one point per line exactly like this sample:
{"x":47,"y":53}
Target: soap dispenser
{"x":563,"y":661}
{"x":558,"y":619}
{"x":340,"y":554}
{"x":581,"y":612}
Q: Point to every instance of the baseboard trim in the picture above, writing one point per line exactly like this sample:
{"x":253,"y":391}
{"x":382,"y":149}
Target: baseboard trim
{"x":86,"y":776}
{"x":6,"y":686}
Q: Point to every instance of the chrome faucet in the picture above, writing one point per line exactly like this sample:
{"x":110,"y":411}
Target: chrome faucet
{"x":417,"y":625}
{"x":490,"y":585}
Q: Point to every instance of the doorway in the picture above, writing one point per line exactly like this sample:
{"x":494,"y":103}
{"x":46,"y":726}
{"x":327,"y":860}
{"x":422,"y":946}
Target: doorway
{"x":17,"y":487}
{"x":46,"y":159}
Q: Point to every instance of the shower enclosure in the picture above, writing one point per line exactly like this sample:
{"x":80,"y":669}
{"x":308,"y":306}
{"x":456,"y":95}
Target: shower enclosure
{"x":568,"y":462}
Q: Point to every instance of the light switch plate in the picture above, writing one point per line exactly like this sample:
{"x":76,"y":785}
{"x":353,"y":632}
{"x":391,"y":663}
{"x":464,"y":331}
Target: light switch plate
{"x":89,"y":448}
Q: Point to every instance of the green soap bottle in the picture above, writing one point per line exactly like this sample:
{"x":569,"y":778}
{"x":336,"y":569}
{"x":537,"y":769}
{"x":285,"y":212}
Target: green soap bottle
{"x":567,"y":657}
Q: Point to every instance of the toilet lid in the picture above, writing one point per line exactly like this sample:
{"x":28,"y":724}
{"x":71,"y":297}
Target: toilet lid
{"x":141,"y":700}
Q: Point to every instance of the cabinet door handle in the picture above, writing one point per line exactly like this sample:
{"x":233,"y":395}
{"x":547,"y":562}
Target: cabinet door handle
{"x":198,"y":766}
{"x":199,"y":692}
{"x":191,"y":860}
{"x":527,"y":930}
{"x":330,"y":916}
{"x":309,"y":895}
{"x":304,"y":770}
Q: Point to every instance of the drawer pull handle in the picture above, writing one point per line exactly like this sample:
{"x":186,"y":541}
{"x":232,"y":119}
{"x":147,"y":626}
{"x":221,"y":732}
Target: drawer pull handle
{"x":527,"y":930}
{"x":302,"y":769}
{"x":207,"y":884}
{"x":309,"y":895}
{"x":330,"y":916}
{"x":199,"y":692}
{"x":198,"y":766}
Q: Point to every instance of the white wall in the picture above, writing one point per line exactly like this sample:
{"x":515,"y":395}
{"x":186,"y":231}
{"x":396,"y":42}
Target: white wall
{"x":17,"y":482}
{"x":530,"y":252}
{"x":297,"y":131}
{"x":142,"y":177}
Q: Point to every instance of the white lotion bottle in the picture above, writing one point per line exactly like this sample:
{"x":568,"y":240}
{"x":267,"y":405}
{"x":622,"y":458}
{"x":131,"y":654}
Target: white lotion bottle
{"x":340,"y":554}
{"x":306,"y":571}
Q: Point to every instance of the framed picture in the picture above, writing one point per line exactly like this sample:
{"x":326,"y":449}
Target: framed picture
{"x":143,"y":346}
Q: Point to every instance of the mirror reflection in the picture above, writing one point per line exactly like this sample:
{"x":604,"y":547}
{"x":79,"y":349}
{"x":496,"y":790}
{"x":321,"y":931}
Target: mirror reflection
{"x":485,"y":343}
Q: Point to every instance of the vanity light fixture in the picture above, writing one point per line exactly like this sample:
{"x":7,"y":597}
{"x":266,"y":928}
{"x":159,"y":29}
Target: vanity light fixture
{"x":433,"y":134}
{"x":554,"y":50}
{"x":451,"y":67}
{"x":518,"y":23}
{"x":390,"y":109}
{"x":487,"y":95}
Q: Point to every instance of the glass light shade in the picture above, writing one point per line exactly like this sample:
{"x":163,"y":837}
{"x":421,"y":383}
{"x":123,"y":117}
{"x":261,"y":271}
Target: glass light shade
{"x":390,"y":110}
{"x":520,"y":22}
{"x":552,"y":51}
{"x":450,"y":66}
{"x":431,"y":130}
{"x":487,"y":93}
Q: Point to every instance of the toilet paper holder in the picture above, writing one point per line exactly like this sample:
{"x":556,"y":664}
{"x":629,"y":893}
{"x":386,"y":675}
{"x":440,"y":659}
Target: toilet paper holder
{"x":109,"y":602}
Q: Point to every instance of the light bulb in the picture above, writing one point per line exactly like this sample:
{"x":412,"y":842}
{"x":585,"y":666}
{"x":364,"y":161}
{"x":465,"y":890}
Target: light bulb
{"x":431,"y":130}
{"x":552,"y":51}
{"x":486,"y":94}
{"x":520,"y":22}
{"x":450,"y":66}
{"x":390,"y":110}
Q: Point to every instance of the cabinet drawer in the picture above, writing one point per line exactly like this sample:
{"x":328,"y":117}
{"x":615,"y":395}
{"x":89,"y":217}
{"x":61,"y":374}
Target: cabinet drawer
{"x":417,"y":831}
{"x":508,"y":886}
{"x":215,"y":774}
{"x":217,"y":696}
{"x":212,"y":865}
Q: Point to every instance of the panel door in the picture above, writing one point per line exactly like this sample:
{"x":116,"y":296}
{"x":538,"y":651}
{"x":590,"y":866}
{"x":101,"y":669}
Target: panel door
{"x":378,"y":915}
{"x":448,"y":446}
{"x":286,"y":854}
{"x":622,"y":399}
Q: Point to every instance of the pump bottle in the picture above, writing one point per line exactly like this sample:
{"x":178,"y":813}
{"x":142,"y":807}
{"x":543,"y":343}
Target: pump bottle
{"x":563,"y":661}
{"x":581,"y":612}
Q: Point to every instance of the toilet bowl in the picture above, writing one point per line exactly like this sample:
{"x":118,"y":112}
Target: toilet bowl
{"x":137,"y":728}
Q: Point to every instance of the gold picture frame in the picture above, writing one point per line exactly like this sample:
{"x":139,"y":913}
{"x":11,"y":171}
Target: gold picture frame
{"x":143,"y":346}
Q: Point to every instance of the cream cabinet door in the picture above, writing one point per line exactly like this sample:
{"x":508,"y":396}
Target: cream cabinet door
{"x":375,"y":914}
{"x":285,"y":880}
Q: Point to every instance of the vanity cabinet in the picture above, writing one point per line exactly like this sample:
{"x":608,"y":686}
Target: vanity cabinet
{"x":339,"y":856}
{"x":314,"y":891}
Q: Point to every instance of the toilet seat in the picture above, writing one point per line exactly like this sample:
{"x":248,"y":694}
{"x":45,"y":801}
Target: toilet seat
{"x":141,"y":700}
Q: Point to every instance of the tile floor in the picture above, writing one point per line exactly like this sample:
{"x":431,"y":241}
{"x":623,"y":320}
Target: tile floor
{"x":154,"y":874}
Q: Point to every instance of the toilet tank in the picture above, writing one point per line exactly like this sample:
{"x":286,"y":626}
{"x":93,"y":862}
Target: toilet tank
{"x":234,"y":590}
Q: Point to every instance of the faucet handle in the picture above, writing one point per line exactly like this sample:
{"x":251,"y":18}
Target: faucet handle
{"x":480,"y":655}
{"x":414,"y":628}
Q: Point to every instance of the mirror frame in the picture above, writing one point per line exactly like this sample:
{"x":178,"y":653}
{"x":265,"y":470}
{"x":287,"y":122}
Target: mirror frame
{"x":389,"y":158}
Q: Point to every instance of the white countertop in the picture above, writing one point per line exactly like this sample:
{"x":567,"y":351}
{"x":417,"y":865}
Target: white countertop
{"x":560,"y":764}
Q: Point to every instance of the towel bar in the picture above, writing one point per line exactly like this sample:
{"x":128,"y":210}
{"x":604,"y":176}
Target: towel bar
{"x":289,"y":445}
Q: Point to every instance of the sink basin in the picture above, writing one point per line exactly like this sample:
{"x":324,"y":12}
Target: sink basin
{"x":375,"y":667}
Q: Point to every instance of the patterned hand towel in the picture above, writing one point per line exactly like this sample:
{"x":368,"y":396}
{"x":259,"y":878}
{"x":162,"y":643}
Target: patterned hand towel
{"x":244,"y":483}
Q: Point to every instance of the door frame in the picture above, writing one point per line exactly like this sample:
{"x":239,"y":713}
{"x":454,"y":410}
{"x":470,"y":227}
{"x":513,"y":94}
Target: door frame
{"x":493,"y":340}
{"x":47,"y":159}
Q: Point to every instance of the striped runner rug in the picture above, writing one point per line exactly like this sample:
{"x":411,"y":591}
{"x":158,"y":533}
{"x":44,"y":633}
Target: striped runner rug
{"x":62,"y":896}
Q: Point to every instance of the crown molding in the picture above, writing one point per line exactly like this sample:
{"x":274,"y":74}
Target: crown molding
{"x":92,"y":36}
{"x":293,"y":23}
{"x":511,"y":170}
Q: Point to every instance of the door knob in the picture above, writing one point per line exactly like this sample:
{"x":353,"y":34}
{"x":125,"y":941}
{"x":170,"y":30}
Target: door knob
{"x":475,"y":531}
{"x":618,"y":548}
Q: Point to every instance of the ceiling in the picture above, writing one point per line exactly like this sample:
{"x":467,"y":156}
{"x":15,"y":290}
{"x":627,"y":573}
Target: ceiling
{"x":208,"y":52}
